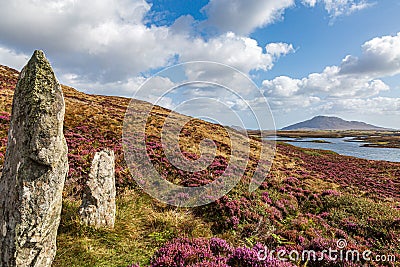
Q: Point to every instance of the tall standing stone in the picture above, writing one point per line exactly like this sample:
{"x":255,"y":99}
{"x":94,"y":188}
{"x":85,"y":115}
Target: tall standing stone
{"x":98,"y":201}
{"x":35,"y":168}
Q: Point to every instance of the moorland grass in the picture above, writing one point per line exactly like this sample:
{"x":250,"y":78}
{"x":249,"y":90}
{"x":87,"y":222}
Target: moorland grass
{"x":142,"y":226}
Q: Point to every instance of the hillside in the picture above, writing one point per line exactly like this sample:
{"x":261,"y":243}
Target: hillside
{"x":94,"y":122}
{"x":309,"y":199}
{"x":331,"y":123}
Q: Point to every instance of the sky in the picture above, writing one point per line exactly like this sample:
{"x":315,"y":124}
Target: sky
{"x":283,"y":61}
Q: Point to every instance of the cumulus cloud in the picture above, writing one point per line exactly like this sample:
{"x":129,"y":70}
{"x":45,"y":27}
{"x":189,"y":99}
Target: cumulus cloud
{"x":241,"y":16}
{"x":337,"y":8}
{"x":240,"y":52}
{"x":278,"y":49}
{"x":355,"y":83}
{"x":381,"y":57}
{"x":105,"y":44}
{"x":103,"y":40}
{"x":329,"y":84}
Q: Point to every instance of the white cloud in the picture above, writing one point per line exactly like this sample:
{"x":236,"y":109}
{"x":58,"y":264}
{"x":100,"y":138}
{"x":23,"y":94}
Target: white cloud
{"x":328,"y":84}
{"x":278,"y":49}
{"x":185,"y":25}
{"x":337,"y":8}
{"x":311,"y":3}
{"x":240,"y":52}
{"x":372,"y":106}
{"x":282,"y":86}
{"x":344,"y":7}
{"x":353,"y":85}
{"x":241,"y":16}
{"x":381,"y":57}
{"x":105,"y":43}
{"x":126,"y":88}
{"x":101,"y":41}
{"x":12,"y":59}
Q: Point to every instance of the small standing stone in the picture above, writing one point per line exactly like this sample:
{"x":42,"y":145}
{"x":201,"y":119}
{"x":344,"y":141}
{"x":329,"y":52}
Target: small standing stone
{"x":35,"y":168}
{"x":98,"y":201}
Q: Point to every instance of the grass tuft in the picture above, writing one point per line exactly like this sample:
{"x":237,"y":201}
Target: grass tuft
{"x":142,"y":226}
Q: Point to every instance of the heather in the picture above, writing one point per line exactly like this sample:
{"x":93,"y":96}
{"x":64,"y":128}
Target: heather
{"x":309,"y":199}
{"x":210,"y":252}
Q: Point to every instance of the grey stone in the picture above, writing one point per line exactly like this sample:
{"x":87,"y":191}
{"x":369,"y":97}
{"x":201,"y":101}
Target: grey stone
{"x":98,"y":201}
{"x":35,"y":168}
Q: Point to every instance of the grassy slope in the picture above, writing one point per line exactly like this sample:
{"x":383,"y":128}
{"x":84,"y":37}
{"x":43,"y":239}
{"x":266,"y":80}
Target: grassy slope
{"x":310,"y":197}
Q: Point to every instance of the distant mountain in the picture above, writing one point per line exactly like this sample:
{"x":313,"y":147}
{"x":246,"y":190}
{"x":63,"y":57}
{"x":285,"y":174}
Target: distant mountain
{"x":331,"y":123}
{"x":238,"y":128}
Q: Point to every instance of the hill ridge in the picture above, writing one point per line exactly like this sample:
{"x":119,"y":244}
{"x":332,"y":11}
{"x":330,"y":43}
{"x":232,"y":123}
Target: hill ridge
{"x":321,"y":122}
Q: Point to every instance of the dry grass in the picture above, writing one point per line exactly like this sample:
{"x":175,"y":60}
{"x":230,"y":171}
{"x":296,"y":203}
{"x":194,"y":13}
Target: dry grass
{"x":142,"y":226}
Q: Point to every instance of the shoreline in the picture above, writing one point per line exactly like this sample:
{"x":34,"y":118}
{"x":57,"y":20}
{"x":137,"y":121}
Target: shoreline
{"x":374,"y":139}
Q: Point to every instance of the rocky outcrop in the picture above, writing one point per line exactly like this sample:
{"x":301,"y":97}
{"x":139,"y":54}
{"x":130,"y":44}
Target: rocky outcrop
{"x":35,"y":168}
{"x":98,"y":201}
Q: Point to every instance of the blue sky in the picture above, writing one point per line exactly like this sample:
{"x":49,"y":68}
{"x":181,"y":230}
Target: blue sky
{"x":307,"y":58}
{"x":321,"y":43}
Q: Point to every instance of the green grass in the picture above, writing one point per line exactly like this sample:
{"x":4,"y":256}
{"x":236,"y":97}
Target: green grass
{"x":374,"y":219}
{"x":312,"y":153}
{"x":142,"y":226}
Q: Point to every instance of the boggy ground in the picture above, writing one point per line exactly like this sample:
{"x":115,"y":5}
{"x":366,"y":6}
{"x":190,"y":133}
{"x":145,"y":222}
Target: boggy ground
{"x":309,"y":199}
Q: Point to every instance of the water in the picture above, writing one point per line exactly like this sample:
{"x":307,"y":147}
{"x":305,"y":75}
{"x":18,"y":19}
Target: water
{"x":340,"y":146}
